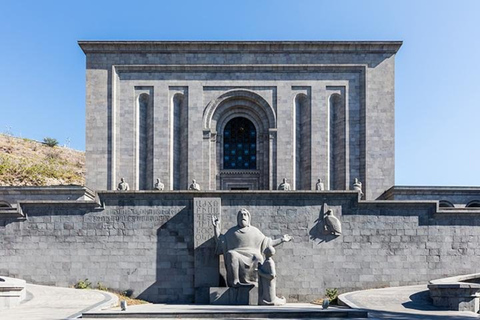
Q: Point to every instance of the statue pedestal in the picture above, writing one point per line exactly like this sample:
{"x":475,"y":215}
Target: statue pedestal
{"x":245,"y":295}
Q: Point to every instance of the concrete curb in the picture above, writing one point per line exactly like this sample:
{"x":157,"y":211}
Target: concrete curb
{"x":110,"y":300}
{"x":343,"y":299}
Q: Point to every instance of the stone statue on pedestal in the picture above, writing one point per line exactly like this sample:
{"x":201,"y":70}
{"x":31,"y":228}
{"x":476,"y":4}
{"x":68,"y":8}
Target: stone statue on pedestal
{"x":194,"y":186}
{"x":123,"y":186}
{"x":267,"y":282}
{"x":284,"y":185}
{"x":319,"y":186}
{"x":242,"y":248}
{"x":357,"y":185}
{"x":159,"y":185}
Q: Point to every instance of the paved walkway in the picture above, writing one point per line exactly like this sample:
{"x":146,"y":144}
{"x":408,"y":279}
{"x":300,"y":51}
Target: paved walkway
{"x":55,"y":303}
{"x":168,"y":311}
{"x":401,"y":303}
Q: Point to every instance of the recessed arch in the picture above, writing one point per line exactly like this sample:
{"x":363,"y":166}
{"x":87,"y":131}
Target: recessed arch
{"x":337,"y":142}
{"x":5,"y":204}
{"x":144,"y":141}
{"x":302,"y":142}
{"x":230,"y":105}
{"x":445,"y":204}
{"x":179,"y":161}
{"x":240,"y":95}
{"x":473,"y":204}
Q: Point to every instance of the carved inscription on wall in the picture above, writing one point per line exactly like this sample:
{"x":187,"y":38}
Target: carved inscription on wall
{"x":125,"y":216}
{"x":203,"y":210}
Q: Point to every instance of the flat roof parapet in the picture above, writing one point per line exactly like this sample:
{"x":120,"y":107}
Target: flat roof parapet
{"x":240,"y":46}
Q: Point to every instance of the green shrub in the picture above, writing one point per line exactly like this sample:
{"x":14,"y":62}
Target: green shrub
{"x":331,"y":294}
{"x":100,"y":286}
{"x":83,"y":284}
{"x":51,"y":142}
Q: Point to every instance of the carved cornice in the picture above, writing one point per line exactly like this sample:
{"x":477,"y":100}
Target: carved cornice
{"x":240,"y":47}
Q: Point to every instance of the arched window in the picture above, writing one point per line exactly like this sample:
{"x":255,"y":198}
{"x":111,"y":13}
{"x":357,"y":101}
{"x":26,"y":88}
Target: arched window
{"x":5,"y":204}
{"x":473,"y":204}
{"x":445,"y":204}
{"x":240,"y":145}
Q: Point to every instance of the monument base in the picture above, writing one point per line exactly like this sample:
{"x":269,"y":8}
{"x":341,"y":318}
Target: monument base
{"x":244,"y":295}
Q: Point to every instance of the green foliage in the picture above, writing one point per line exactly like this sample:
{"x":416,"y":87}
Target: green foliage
{"x":100,"y":286}
{"x":331,"y":294}
{"x":83,"y":284}
{"x":51,"y":142}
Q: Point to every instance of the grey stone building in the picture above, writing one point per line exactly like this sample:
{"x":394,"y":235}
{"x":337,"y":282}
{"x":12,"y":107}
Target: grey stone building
{"x":240,"y":115}
{"x":233,"y":116}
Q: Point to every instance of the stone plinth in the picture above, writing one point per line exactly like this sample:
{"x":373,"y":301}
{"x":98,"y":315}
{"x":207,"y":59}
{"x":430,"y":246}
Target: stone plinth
{"x":459,"y":293}
{"x":245,"y":295}
{"x":12,"y":292}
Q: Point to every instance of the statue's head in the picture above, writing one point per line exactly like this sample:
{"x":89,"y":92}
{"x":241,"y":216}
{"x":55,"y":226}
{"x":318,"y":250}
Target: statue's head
{"x":122,"y":180}
{"x":158,"y":180}
{"x":284,"y":180}
{"x":329,"y":212}
{"x":194,"y":181}
{"x":243,"y":218}
{"x":269,"y":251}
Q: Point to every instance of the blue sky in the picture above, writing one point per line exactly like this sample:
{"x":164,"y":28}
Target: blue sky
{"x":42,"y":69}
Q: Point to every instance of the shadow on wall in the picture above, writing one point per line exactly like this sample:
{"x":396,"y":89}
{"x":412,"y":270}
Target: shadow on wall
{"x":319,"y":231}
{"x":174,"y":263}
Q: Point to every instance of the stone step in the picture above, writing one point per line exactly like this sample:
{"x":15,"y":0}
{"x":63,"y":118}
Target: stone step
{"x":289,"y":311}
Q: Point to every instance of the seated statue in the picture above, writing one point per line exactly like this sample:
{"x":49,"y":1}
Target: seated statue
{"x":267,"y":282}
{"x":159,"y":185}
{"x":284,"y":185}
{"x":194,"y":185}
{"x":123,"y":186}
{"x":242,"y":248}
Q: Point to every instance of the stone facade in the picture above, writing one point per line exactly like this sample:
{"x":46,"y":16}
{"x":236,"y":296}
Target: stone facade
{"x":159,"y":244}
{"x":449,"y":198}
{"x":320,"y":110}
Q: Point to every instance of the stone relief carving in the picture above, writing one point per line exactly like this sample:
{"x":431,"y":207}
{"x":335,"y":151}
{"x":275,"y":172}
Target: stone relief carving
{"x":331,"y":223}
{"x":158,"y":185}
{"x":242,"y":248}
{"x":284,"y":185}
{"x":267,"y":282}
{"x":123,"y":186}
{"x":194,"y":185}
{"x":357,"y":185}
{"x":320,"y":186}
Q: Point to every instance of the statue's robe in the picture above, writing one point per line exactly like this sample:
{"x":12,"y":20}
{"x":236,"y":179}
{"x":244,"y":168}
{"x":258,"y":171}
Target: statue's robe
{"x":242,"y":249}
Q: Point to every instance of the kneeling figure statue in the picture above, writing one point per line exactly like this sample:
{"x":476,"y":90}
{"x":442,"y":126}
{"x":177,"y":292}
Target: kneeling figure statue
{"x":242,"y":247}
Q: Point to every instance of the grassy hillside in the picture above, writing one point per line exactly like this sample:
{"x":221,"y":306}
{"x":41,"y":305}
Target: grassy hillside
{"x":25,"y":162}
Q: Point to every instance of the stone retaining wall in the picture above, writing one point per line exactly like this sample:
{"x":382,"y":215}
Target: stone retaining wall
{"x":159,"y":246}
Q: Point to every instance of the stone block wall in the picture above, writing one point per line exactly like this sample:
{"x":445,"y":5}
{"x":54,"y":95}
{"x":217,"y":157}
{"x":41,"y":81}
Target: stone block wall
{"x":145,"y":242}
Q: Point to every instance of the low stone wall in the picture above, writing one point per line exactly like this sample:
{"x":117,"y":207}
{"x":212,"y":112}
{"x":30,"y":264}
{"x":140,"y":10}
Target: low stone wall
{"x":459,"y":293}
{"x":12,"y":292}
{"x":9,"y":196}
{"x":160,"y":246}
{"x":457,"y":196}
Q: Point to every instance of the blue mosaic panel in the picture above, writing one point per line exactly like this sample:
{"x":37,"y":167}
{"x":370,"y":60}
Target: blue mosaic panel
{"x":240,"y":145}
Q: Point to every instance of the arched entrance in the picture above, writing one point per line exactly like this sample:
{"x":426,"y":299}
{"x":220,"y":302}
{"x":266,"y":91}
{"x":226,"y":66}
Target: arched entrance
{"x":239,"y":139}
